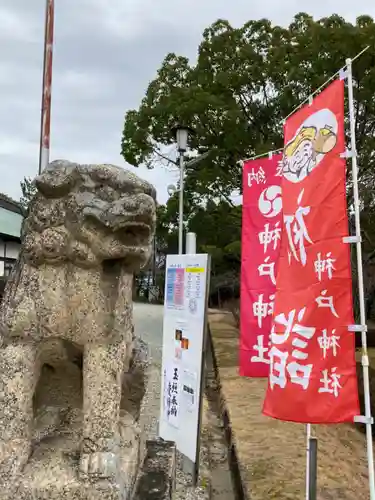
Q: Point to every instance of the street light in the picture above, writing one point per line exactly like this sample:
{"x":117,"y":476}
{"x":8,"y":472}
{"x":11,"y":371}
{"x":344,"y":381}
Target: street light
{"x":171,"y":189}
{"x":182,"y":134}
{"x":182,"y":139}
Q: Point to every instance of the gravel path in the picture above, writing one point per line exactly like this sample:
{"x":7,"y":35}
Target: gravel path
{"x":214,"y":480}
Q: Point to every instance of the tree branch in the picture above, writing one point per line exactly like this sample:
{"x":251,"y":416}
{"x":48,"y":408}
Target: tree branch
{"x":165,"y":158}
{"x":265,"y":94}
{"x":226,"y":198}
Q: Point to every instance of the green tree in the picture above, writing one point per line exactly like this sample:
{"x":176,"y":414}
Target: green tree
{"x":218,"y":229}
{"x":244,"y":82}
{"x":28,"y":189}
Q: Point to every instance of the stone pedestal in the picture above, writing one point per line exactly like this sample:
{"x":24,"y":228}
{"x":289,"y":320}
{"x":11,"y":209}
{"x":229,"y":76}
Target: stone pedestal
{"x":158,"y":475}
{"x":52,"y":471}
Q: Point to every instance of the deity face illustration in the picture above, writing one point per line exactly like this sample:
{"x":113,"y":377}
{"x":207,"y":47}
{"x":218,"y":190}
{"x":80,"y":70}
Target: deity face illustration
{"x":302,"y":161}
{"x":316,"y":137}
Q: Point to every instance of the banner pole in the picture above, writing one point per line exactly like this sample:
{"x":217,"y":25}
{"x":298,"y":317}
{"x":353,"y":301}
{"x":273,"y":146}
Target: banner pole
{"x":365,"y":360}
{"x":313,"y":468}
{"x":308,"y":436}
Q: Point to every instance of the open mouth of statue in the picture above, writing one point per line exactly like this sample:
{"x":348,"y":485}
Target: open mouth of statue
{"x":134,"y":231}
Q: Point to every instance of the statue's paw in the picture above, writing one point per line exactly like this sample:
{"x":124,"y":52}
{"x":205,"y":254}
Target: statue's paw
{"x":98,"y":464}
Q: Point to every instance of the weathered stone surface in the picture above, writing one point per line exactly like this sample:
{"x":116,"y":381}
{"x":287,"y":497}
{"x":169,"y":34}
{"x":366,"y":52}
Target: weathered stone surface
{"x":53,"y":469}
{"x":67,"y":412}
{"x":157,"y":478}
{"x":134,"y":381}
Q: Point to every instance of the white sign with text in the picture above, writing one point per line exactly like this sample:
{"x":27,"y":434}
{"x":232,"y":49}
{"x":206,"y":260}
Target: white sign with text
{"x":184,"y":334}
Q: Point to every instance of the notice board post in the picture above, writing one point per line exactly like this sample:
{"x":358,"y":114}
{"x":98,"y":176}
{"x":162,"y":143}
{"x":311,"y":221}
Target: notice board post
{"x":184,"y":343}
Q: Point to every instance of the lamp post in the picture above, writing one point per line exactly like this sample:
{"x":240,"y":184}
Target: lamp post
{"x":182,"y":134}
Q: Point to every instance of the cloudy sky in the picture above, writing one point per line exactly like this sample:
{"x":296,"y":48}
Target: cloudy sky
{"x":105,"y":54}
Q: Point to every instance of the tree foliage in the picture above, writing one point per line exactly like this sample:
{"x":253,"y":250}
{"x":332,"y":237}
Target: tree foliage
{"x":244,"y":82}
{"x":28,"y":189}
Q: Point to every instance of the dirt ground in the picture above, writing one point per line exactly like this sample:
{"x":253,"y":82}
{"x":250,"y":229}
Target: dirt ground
{"x":271,"y":453}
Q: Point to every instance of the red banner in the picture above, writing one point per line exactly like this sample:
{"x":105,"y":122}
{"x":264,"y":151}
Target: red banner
{"x":261,"y":234}
{"x":313,"y":371}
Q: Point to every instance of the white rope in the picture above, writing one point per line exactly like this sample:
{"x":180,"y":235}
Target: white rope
{"x":324,"y":84}
{"x":269,"y":154}
{"x":307,"y":100}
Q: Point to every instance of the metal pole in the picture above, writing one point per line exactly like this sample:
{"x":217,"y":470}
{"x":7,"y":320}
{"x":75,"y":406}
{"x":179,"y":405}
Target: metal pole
{"x":187,"y":465}
{"x":313,"y":468}
{"x":154,"y":261}
{"x":191,"y":243}
{"x":45,"y":126}
{"x":308,"y":436}
{"x":365,"y":361}
{"x":181,"y":206}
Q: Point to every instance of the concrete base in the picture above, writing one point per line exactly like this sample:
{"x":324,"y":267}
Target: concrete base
{"x":158,"y":475}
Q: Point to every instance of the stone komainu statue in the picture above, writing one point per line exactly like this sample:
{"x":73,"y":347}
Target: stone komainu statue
{"x":88,"y":228}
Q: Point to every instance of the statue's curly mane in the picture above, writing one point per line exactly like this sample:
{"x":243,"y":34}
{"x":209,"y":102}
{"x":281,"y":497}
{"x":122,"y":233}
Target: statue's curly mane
{"x":87,"y":214}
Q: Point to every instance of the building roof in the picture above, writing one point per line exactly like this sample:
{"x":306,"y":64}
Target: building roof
{"x":9,"y":204}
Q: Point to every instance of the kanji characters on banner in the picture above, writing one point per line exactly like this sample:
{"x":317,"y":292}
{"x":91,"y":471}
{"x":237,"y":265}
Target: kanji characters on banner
{"x":312,"y":356}
{"x":261,"y":232}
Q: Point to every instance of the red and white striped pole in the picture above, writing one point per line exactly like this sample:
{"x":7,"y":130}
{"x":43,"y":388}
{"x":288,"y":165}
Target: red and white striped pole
{"x":45,"y":127}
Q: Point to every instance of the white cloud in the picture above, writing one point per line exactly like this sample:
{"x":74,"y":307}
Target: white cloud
{"x":14,"y":27}
{"x":10,"y":145}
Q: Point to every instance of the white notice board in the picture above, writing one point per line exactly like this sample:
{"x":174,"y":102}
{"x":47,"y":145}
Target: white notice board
{"x":185,"y":313}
